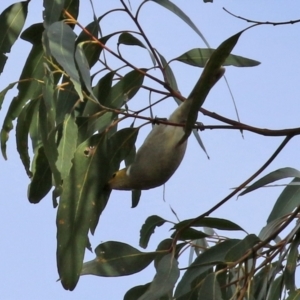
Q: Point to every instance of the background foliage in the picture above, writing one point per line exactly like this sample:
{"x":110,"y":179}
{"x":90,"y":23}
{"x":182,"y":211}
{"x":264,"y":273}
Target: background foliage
{"x":70,"y":100}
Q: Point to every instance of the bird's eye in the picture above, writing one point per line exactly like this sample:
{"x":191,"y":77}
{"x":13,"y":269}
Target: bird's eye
{"x":114,"y":175}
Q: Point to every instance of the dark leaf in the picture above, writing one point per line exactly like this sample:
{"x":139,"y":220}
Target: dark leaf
{"x":12,"y":20}
{"x":22,"y":131}
{"x":52,"y":11}
{"x":240,"y":249}
{"x":217,"y":223}
{"x":128,"y":39}
{"x":271,"y":177}
{"x":202,"y":263}
{"x":41,"y":181}
{"x":199,"y":56}
{"x":210,"y":288}
{"x":287,"y":201}
{"x":136,"y":292}
{"x":3,"y":92}
{"x":125,"y":89}
{"x":135,"y":198}
{"x":167,"y":274}
{"x":190,"y":234}
{"x":148,"y":228}
{"x":117,"y":259}
{"x":29,"y":88}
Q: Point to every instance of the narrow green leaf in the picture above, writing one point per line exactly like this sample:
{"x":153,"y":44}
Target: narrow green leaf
{"x":22,"y":131}
{"x":291,"y":265}
{"x":177,"y":11}
{"x":288,"y":200}
{"x":117,"y":259}
{"x":41,"y":181}
{"x":3,"y":92}
{"x":67,"y":146}
{"x":202,"y":263}
{"x":52,"y":11}
{"x":199,"y":56}
{"x":276,"y":288}
{"x":12,"y":20}
{"x":167,"y":274}
{"x":217,"y":223}
{"x":84,"y":68}
{"x":271,"y":177}
{"x":238,"y":250}
{"x":29,"y":88}
{"x":210,"y":288}
{"x":61,"y":41}
{"x":294,"y":295}
{"x":148,"y":229}
{"x":83,"y":193}
{"x":125,"y":89}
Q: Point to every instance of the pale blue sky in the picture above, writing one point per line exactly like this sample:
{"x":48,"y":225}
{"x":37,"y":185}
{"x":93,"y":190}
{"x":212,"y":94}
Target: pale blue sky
{"x":267,"y":96}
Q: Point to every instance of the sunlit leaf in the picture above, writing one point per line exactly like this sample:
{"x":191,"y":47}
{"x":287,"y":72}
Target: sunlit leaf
{"x":117,"y":259}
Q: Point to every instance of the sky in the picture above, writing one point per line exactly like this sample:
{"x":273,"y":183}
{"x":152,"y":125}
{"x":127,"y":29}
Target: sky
{"x":267,"y":96}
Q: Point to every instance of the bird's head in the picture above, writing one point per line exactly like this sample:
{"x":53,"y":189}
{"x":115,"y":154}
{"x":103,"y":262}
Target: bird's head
{"x":120,"y":180}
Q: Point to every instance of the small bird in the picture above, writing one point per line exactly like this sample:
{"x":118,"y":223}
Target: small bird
{"x":159,"y":156}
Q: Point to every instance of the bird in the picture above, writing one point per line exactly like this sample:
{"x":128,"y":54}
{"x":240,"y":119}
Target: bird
{"x":159,"y":156}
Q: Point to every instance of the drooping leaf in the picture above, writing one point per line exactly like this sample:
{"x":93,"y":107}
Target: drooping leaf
{"x":82,"y":189}
{"x":3,"y":92}
{"x":276,"y":288}
{"x":289,"y":274}
{"x":29,"y":87}
{"x":167,"y":274}
{"x":41,"y":181}
{"x":12,"y":20}
{"x":202,"y":263}
{"x":199,"y":56}
{"x":135,"y":198}
{"x":287,"y":201}
{"x":177,"y":11}
{"x":210,"y":288}
{"x":67,"y":146}
{"x":22,"y":131}
{"x":60,"y":39}
{"x":52,"y":11}
{"x":271,"y":177}
{"x":148,"y":228}
{"x":117,"y":259}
